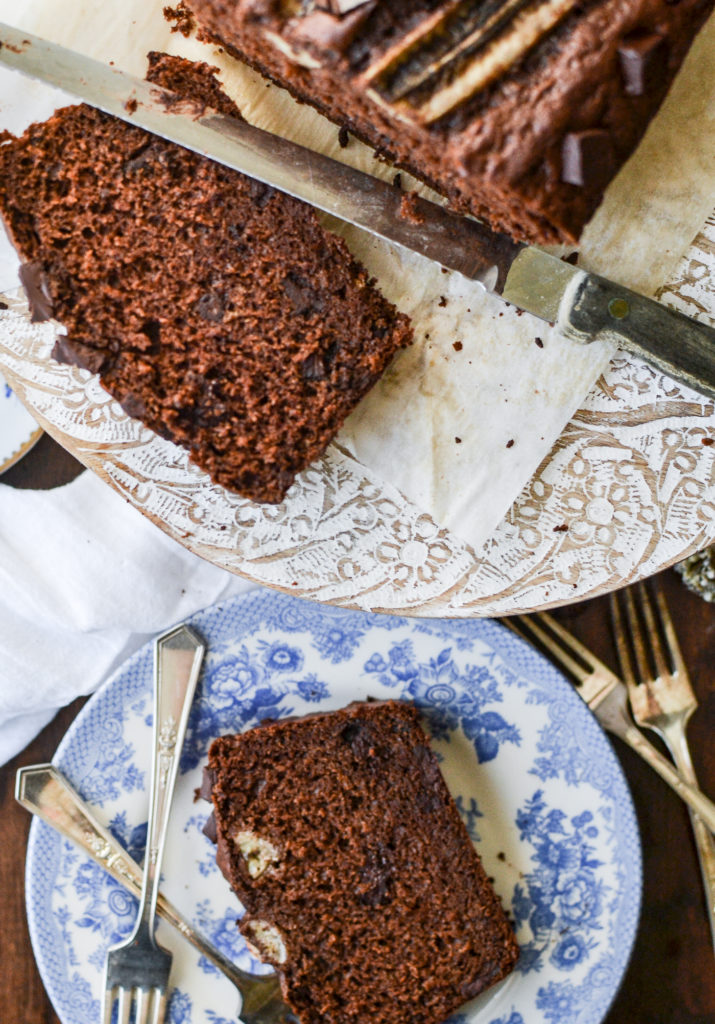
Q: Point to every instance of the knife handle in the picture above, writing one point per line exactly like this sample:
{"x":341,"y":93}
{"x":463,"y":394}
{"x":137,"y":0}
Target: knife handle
{"x":595,"y":308}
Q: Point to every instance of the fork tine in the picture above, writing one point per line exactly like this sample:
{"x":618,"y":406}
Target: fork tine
{"x":142,"y":1001}
{"x":621,"y":639}
{"x":562,"y":646}
{"x":125,"y":1006}
{"x":676,"y":655}
{"x":159,"y":1006}
{"x":635,"y":633}
{"x":108,"y":1006}
{"x":662,"y":667}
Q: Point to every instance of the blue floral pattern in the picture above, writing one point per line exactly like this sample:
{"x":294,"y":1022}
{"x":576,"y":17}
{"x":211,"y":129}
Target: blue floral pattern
{"x":562,"y":900}
{"x":451,"y":696}
{"x":563,"y":849}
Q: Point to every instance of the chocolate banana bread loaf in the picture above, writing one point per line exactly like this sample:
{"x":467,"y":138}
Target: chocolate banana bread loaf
{"x":518,"y":111}
{"x":216,"y":310}
{"x":360,"y":884}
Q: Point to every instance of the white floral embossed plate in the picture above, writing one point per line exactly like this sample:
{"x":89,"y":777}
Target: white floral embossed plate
{"x":628,"y":489}
{"x":18,"y":430}
{"x":534,"y":777}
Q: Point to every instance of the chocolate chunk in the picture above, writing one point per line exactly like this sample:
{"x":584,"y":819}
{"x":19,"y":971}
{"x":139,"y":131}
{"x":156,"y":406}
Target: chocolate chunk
{"x":142,"y":157}
{"x":209,"y":829}
{"x":261,"y":194}
{"x":3,"y":305}
{"x":76,"y":353}
{"x":588,"y":158}
{"x":326,"y":31}
{"x":644,"y":63}
{"x":313,"y":367}
{"x":376,"y":877}
{"x":304,"y":298}
{"x":210,"y":307}
{"x":32,"y":279}
{"x":343,"y":137}
{"x":133,"y":406}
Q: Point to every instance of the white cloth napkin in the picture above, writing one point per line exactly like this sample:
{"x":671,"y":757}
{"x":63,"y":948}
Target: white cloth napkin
{"x":85,"y":580}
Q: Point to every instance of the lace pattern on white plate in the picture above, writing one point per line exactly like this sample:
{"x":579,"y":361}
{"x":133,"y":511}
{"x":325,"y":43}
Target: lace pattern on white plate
{"x":628,"y":489}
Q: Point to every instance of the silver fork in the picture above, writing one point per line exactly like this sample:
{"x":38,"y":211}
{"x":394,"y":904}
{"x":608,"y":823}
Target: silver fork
{"x":44,"y":791}
{"x":606,"y":696}
{"x":137,"y":971}
{"x":661,"y":696}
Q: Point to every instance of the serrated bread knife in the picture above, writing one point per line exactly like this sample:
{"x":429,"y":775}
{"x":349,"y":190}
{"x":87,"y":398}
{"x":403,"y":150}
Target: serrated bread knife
{"x":584,"y":306}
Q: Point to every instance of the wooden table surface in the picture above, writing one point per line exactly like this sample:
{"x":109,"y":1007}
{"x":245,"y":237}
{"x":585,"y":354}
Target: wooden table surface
{"x":671,"y":976}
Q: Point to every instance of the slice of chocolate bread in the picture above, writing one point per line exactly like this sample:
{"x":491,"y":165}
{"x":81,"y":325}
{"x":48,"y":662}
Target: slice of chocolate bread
{"x":518,"y":111}
{"x":361,"y":886}
{"x":216,"y":310}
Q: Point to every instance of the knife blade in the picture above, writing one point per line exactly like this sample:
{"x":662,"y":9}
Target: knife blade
{"x":585,"y":307}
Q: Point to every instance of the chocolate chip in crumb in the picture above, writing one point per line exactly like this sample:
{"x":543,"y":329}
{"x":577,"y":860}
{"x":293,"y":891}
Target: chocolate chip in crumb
{"x":313,"y":368}
{"x":302,"y":295}
{"x":561,"y":529}
{"x":707,"y":441}
{"x":134,"y":406}
{"x":343,"y":137}
{"x":457,"y":346}
{"x":210,"y":307}
{"x":261,"y":194}
{"x":510,"y":444}
{"x":458,"y":440}
{"x":538,"y":342}
{"x":37,"y":291}
{"x":588,"y":158}
{"x":442,"y":302}
{"x":643,"y":60}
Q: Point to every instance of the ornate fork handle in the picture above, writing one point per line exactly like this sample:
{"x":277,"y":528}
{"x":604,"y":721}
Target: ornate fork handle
{"x":177,"y":661}
{"x":614,"y":715}
{"x":676,"y":741}
{"x":44,"y":791}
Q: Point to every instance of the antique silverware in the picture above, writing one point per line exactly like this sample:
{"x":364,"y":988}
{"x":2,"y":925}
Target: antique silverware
{"x":661,"y":696}
{"x":607,"y":697}
{"x":44,"y":791}
{"x":137,"y":970}
{"x":584,"y":306}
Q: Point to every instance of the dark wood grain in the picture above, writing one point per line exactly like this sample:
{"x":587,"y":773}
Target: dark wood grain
{"x":671,"y":976}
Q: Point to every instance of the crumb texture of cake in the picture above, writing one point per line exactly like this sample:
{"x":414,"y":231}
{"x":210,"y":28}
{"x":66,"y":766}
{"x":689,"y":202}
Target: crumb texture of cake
{"x":519,"y":112}
{"x":361,"y":886}
{"x":215,"y":309}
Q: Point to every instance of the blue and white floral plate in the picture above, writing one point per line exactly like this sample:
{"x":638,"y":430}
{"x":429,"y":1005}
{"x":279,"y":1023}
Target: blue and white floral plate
{"x":534,"y":777}
{"x":18,"y":430}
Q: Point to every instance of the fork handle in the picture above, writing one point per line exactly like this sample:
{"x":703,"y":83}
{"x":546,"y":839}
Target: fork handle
{"x":677,"y":743}
{"x":177,"y":661}
{"x":614,"y":715}
{"x":44,"y":791}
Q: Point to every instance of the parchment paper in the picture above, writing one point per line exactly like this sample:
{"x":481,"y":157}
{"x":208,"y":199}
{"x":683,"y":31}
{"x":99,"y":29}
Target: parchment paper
{"x":462,"y":419}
